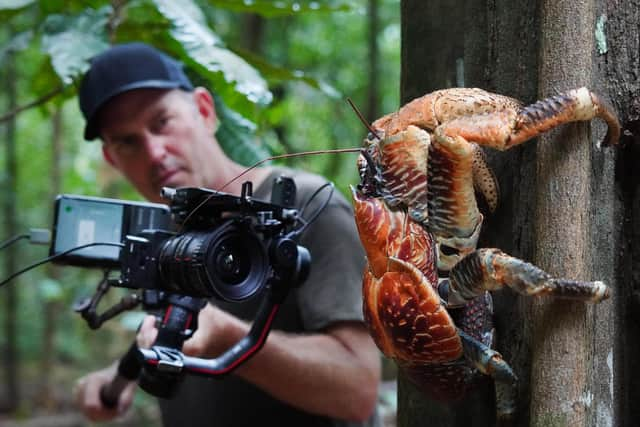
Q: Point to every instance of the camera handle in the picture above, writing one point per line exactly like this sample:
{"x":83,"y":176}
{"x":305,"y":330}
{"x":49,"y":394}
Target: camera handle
{"x":170,"y":360}
{"x":178,"y":324}
{"x":159,"y":369}
{"x":128,"y":371}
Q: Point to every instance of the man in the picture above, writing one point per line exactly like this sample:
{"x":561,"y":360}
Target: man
{"x":319,"y":365}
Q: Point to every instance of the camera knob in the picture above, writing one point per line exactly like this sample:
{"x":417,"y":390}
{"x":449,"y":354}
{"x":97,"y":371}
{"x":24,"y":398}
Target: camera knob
{"x":168,"y":193}
{"x":285,"y":253}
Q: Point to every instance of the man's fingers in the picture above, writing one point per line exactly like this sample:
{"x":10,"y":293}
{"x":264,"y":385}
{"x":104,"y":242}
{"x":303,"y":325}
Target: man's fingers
{"x":147,"y":333}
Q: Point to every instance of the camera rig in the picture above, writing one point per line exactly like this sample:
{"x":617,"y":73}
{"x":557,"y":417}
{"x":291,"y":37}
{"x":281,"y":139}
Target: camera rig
{"x":226,"y":247}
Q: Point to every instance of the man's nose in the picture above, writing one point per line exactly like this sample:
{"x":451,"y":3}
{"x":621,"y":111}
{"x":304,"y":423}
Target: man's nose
{"x":155,"y":146}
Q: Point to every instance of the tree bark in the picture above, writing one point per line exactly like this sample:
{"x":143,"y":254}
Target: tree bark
{"x":617,"y":68}
{"x":566,"y":336}
{"x":565,"y":201}
{"x":373,"y":56}
{"x":51,"y":308}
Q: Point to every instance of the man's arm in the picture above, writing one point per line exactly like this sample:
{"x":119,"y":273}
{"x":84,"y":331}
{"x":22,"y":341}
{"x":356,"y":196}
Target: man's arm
{"x":334,"y":373}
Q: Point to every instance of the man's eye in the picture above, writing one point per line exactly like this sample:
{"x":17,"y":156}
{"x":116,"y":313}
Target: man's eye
{"x":124,"y":146}
{"x":161,"y":122}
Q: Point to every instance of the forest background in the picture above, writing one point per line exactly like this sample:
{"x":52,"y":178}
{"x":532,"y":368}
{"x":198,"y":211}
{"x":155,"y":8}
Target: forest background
{"x":281,"y":72}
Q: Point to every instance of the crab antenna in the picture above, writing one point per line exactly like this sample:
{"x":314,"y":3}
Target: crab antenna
{"x":281,"y":156}
{"x":286,"y":156}
{"x":362,"y":119}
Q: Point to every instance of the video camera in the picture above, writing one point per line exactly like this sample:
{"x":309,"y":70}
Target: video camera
{"x":218,"y":245}
{"x":205,"y":244}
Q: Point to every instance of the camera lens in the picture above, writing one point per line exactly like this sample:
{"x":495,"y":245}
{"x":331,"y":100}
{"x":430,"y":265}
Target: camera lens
{"x":229,"y":262}
{"x":231,"y":265}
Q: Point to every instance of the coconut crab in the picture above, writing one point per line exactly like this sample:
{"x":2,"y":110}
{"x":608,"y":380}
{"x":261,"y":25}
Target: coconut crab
{"x":426,"y":287}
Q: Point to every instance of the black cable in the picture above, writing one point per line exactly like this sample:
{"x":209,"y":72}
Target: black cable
{"x":52,"y":257}
{"x":13,"y":240}
{"x":316,"y":214}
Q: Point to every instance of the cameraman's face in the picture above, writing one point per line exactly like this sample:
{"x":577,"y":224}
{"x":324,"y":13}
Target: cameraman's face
{"x":159,"y":138}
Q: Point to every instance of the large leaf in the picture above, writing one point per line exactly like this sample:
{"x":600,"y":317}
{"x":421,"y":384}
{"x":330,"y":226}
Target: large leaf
{"x":71,"y":41}
{"x":10,"y":8}
{"x":236,"y":136}
{"x":15,"y":4}
{"x":274,"y":74}
{"x":206,"y":49}
{"x":271,"y":8}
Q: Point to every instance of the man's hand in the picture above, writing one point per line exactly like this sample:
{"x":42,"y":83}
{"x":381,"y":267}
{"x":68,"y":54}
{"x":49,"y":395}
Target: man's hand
{"x":86,"y":391}
{"x":217,"y":332}
{"x":86,"y":394}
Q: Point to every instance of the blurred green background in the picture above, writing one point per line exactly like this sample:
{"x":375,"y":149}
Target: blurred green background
{"x":281,"y":72}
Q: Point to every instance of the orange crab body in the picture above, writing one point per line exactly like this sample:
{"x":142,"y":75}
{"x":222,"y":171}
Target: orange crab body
{"x":425,"y":287}
{"x":402,"y":308}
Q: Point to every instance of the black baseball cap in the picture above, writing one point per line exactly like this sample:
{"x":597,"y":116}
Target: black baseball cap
{"x":122,"y":68}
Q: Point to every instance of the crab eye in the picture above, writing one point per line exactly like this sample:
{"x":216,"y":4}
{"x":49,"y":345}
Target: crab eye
{"x":370,"y":136}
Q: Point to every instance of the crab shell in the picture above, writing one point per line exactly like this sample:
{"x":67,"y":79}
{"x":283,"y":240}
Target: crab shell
{"x":401,"y":306}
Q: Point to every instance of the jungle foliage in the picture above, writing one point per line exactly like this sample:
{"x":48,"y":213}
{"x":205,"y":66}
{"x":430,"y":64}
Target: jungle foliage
{"x":280,"y":71}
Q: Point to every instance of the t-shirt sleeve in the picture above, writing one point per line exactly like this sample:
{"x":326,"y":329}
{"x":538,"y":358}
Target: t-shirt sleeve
{"x":333,"y":290}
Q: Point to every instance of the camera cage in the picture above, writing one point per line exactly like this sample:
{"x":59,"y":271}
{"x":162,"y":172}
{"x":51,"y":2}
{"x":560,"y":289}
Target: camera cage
{"x":197,"y":212}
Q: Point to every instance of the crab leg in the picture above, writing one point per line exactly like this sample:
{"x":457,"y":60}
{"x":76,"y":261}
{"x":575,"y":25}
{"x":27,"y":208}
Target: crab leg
{"x":508,"y":127}
{"x":488,"y":361}
{"x":491,"y":363}
{"x":491,"y":269}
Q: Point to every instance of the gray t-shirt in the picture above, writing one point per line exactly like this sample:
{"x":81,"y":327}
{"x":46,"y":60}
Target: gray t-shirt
{"x":331,"y":293}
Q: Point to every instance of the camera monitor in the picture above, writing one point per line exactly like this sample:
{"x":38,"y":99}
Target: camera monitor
{"x":81,"y":220}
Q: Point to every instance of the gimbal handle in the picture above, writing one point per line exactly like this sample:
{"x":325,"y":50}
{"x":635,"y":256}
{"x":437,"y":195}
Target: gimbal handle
{"x":129,"y":368}
{"x":171,"y":360}
{"x":178,"y":324}
{"x":159,"y":369}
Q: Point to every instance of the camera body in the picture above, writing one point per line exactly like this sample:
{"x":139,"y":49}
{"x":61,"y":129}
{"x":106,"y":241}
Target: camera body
{"x":205,"y":244}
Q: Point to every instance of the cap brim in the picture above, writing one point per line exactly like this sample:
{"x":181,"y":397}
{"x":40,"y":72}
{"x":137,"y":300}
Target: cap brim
{"x":91,"y":129}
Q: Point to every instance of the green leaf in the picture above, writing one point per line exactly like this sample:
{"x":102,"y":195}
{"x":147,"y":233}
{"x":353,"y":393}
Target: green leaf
{"x":15,"y":4}
{"x":11,"y":8}
{"x":72,"y":40}
{"x":236,"y":136}
{"x":274,"y":73}
{"x":207,"y":51}
{"x":271,"y":8}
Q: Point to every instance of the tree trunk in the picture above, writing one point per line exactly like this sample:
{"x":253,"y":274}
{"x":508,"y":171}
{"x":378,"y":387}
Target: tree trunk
{"x":51,"y":306}
{"x":565,"y":202}
{"x":373,"y":103}
{"x":10,"y":293}
{"x":617,"y":68}
{"x":571,"y":342}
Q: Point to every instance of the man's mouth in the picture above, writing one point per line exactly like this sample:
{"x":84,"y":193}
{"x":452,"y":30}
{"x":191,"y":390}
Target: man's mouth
{"x":166,"y":177}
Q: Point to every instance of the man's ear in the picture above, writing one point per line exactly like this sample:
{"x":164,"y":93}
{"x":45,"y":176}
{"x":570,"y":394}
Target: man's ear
{"x":206,"y":107}
{"x":107,"y":156}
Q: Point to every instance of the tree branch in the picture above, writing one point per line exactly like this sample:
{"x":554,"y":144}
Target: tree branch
{"x":42,"y":100}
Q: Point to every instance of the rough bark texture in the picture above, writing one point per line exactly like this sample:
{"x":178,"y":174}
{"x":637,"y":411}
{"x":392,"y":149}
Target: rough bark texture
{"x":565,"y":201}
{"x":618,"y":72}
{"x":571,"y":379}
